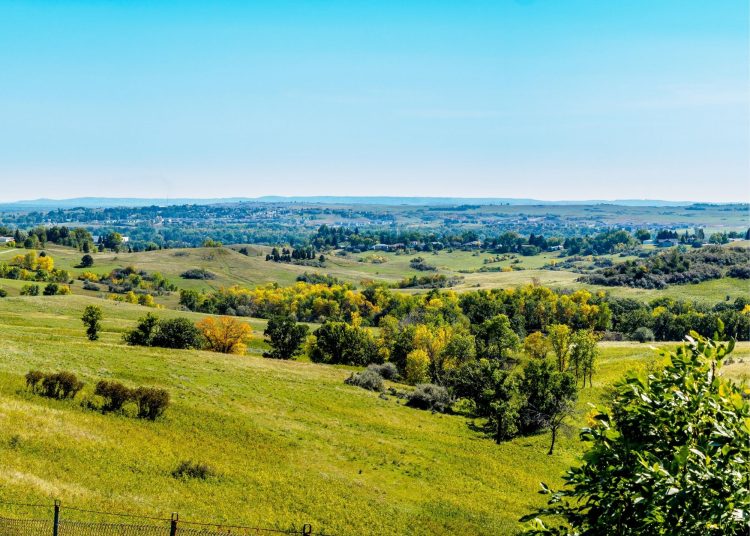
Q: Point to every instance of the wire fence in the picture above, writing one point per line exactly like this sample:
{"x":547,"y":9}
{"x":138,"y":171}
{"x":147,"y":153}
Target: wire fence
{"x":54,"y":523}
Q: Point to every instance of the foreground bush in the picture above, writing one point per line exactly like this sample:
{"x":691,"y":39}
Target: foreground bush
{"x":431,"y":397}
{"x":670,"y":458}
{"x":367,"y":379}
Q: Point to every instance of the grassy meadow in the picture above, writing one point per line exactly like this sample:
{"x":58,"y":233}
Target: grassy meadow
{"x":290,"y":442}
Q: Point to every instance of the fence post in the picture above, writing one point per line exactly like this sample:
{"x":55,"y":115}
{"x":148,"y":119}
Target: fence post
{"x":306,"y":529}
{"x":173,"y":524}
{"x":56,"y":520}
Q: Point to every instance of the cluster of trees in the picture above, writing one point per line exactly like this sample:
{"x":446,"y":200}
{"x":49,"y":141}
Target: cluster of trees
{"x":39,"y":236}
{"x":612,"y":241}
{"x":294,"y":255}
{"x":670,"y":456}
{"x":226,"y":335}
{"x":33,"y":267}
{"x":130,"y":279}
{"x":675,"y":268}
{"x":666,"y":319}
{"x":429,"y":281}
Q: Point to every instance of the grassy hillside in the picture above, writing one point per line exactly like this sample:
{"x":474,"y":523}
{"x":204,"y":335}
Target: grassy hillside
{"x":231,"y":267}
{"x":290,"y":442}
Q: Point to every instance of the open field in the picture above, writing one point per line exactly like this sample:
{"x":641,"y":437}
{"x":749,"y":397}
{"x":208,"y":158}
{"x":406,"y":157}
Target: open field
{"x":290,"y":442}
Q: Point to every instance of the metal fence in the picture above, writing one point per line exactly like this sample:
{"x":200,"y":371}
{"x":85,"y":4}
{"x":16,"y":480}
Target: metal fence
{"x":54,"y":523}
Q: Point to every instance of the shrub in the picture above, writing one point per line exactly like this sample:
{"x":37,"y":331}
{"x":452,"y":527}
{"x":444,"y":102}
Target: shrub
{"x":33,"y":379}
{"x":431,"y":397}
{"x":190,"y":469}
{"x":642,"y":334}
{"x":197,"y":273}
{"x":30,"y":290}
{"x":142,"y":334}
{"x":51,"y":289}
{"x":3,"y":293}
{"x":60,"y":385}
{"x":87,"y":260}
{"x":388,"y":371}
{"x":114,"y":393}
{"x":152,"y":402}
{"x":367,"y":379}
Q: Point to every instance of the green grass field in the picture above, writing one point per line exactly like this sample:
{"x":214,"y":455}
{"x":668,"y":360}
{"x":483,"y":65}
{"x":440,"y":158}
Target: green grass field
{"x":291,"y":443}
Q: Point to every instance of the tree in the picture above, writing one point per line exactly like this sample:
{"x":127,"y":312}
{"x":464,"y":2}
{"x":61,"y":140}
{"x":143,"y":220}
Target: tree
{"x":225,"y":334}
{"x":671,"y":457}
{"x":495,"y":338}
{"x":494,"y":391}
{"x":536,"y":345}
{"x":92,"y":316}
{"x":341,"y":343}
{"x":549,"y":398}
{"x":112,"y":240}
{"x":583,"y":354}
{"x":142,"y":334}
{"x":417,"y":367}
{"x":87,"y":261}
{"x":178,"y":333}
{"x":642,"y":235}
{"x":285,"y":337}
{"x":559,"y":338}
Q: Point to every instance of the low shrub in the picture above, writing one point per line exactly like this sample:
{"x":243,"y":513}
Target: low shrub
{"x":367,"y":379}
{"x":642,"y":334}
{"x":388,"y":371}
{"x":30,"y":290}
{"x":197,"y":273}
{"x":34,"y":379}
{"x":59,"y":385}
{"x":190,"y":469}
{"x":114,"y":393}
{"x":431,"y":397}
{"x":152,"y":402}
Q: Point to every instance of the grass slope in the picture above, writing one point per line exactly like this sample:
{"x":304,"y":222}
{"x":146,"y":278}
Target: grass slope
{"x":290,"y":442}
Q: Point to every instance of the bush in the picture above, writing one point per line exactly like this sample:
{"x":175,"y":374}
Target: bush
{"x":30,"y":290}
{"x":33,"y":379}
{"x":197,"y":273}
{"x":60,"y":385}
{"x":114,"y":393}
{"x":86,"y":261}
{"x":152,"y":402}
{"x":367,"y":379}
{"x":642,"y":335}
{"x":3,"y":293}
{"x":189,"y":469}
{"x":388,"y":371}
{"x":431,"y":397}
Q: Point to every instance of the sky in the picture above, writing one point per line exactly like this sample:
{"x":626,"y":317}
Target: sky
{"x":544,"y":99}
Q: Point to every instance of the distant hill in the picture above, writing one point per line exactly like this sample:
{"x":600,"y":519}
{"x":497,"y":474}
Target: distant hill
{"x":102,"y":202}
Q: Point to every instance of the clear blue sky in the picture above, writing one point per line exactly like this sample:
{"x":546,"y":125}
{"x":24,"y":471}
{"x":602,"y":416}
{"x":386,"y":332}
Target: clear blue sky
{"x":551,"y":99}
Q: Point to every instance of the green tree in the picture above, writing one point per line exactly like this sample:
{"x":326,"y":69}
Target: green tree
{"x":341,"y":343}
{"x":495,"y":338}
{"x":92,"y":316}
{"x":87,"y":261}
{"x":494,"y":390}
{"x":285,"y":337}
{"x":549,"y":398}
{"x":143,"y":332}
{"x":670,"y":458}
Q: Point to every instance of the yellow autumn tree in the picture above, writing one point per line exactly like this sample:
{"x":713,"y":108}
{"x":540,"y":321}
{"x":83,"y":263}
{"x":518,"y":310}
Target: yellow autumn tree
{"x":225,"y":334}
